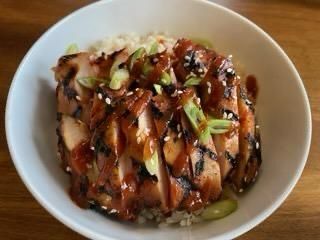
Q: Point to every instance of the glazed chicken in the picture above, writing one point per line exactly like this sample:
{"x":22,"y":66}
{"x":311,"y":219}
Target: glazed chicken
{"x":164,"y":130}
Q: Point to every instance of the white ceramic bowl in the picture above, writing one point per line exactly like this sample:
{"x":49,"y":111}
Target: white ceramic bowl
{"x":284,"y":112}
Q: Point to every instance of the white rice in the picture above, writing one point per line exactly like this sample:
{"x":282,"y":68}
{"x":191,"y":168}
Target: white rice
{"x":132,"y":42}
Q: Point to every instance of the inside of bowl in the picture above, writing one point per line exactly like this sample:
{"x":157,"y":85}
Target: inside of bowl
{"x":283,"y":112}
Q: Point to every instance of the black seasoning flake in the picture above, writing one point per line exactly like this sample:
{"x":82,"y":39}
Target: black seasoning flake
{"x":230,"y":158}
{"x":208,"y":151}
{"x":157,"y":114}
{"x":227,"y":91}
{"x":100,"y":146}
{"x":185,"y":184}
{"x":187,"y":135}
{"x":199,"y":167}
{"x":70,"y":75}
{"x":77,"y":112}
{"x":69,"y":92}
{"x":170,"y":89}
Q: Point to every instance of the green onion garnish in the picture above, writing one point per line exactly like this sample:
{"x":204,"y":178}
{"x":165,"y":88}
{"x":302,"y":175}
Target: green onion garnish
{"x":219,"y":126}
{"x":136,"y":55}
{"x":90,"y":82}
{"x":72,"y":49}
{"x":152,"y":164}
{"x":147,"y":68}
{"x":219,"y":209}
{"x":154,"y":48}
{"x":118,"y":78}
{"x":165,"y":79}
{"x":192,"y":81}
{"x":158,"y":88}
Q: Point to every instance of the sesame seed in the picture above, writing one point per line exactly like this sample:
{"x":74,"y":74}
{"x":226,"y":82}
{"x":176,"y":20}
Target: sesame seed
{"x":100,"y":96}
{"x":209,"y":84}
{"x":129,"y":94}
{"x":138,"y":132}
{"x":180,"y":135}
{"x":104,"y":207}
{"x":245,"y":179}
{"x":68,"y":169}
{"x":248,"y":102}
{"x":78,"y":98}
{"x":174,"y":94}
{"x":240,"y":190}
{"x":198,"y":101}
{"x":230,"y":115}
{"x":230,"y":56}
{"x":257,"y":145}
{"x":102,"y":84}
{"x":92,"y":148}
{"x":209,"y":90}
{"x":137,"y":89}
{"x":179,"y":107}
{"x":224,"y":83}
{"x":205,"y":69}
{"x":138,"y":140}
{"x":92,"y":58}
{"x":229,"y":70}
{"x":178,"y":127}
{"x":200,"y":70}
{"x":89,"y":165}
{"x":108,"y":100}
{"x":180,"y":92}
{"x":238,"y":77}
{"x":186,"y":57}
{"x":186,"y":64}
{"x":195,"y":143}
{"x":113,"y":211}
{"x":257,"y":126}
{"x":167,"y":138}
{"x":256,"y":174}
{"x":225,"y":115}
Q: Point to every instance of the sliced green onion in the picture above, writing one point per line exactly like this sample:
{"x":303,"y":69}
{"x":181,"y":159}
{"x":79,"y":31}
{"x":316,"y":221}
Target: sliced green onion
{"x":205,"y":135}
{"x":203,"y":42}
{"x":154,"y":48}
{"x":147,"y":68}
{"x":165,"y":79}
{"x":158,"y":88}
{"x":219,"y":126}
{"x":72,"y":49}
{"x":152,"y":164}
{"x":219,"y":209}
{"x":194,"y":114}
{"x":136,"y":55}
{"x":114,"y":67}
{"x":90,"y":82}
{"x":192,"y":81}
{"x":118,"y":78}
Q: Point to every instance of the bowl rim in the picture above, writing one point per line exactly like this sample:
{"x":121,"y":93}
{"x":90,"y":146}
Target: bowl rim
{"x":68,"y":221}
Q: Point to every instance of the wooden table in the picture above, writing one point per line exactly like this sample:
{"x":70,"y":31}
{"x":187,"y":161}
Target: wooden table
{"x":295,"y":25}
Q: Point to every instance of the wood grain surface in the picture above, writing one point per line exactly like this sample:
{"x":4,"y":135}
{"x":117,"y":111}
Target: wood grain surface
{"x":295,"y":25}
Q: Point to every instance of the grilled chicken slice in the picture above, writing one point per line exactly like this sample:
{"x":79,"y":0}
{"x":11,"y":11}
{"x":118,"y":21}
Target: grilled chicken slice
{"x":75,"y":148}
{"x":223,"y":99}
{"x":218,"y":92}
{"x":205,"y":168}
{"x":249,"y":140}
